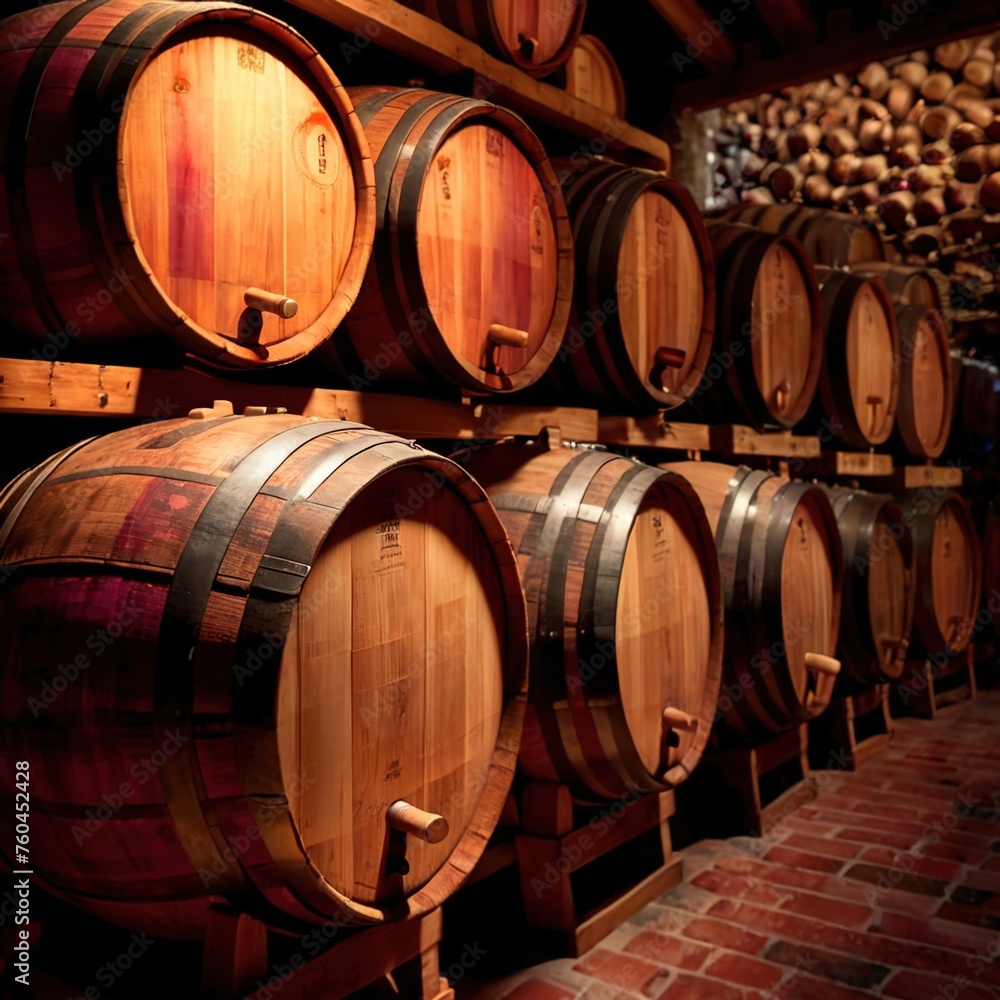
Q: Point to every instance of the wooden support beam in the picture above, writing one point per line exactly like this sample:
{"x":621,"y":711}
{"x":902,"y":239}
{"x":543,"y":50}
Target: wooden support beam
{"x":688,"y":19}
{"x":789,"y":21}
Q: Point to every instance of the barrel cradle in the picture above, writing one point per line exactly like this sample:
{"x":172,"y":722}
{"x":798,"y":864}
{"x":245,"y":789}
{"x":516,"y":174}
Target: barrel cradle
{"x":159,"y":163}
{"x":306,"y":629}
{"x":644,"y":298}
{"x":769,"y":328}
{"x":622,"y":585}
{"x":470,"y":282}
{"x":879,"y":587}
{"x":782,"y":570}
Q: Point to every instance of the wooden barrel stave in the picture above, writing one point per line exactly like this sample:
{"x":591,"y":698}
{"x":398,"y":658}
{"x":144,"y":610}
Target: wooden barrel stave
{"x":94,"y":260}
{"x":757,"y":274}
{"x":536,"y":37}
{"x":975,"y":427}
{"x":605,"y":547}
{"x":926,"y":389}
{"x":233,"y":538}
{"x":879,"y":586}
{"x":592,"y":75}
{"x":782,"y":570}
{"x":830,"y":238}
{"x":441,"y":277}
{"x":949,"y":569}
{"x":908,"y":286}
{"x":862,"y":347}
{"x":644,"y":282}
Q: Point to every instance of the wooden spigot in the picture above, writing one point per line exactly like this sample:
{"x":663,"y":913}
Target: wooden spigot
{"x":664,"y":358}
{"x":674,"y":718}
{"x":271,"y":302}
{"x":219,"y":408}
{"x":783,"y":395}
{"x":820,"y":664}
{"x":507,"y":336}
{"x":896,"y":645}
{"x":875,"y":402}
{"x":528,"y":46}
{"x":409,"y":819}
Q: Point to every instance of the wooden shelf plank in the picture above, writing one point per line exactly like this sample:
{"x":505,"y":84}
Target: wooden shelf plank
{"x":411,"y":34}
{"x":736,"y":440}
{"x":85,"y":390}
{"x":653,"y":432}
{"x":849,"y":463}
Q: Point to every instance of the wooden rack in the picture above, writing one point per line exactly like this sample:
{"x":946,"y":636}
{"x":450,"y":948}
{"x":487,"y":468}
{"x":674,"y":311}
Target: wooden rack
{"x":411,"y":34}
{"x":852,"y":730}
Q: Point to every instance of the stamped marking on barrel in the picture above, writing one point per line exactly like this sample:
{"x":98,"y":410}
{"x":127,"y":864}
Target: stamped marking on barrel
{"x":494,"y":144}
{"x":313,"y":149}
{"x":537,"y":228}
{"x":251,"y":58}
{"x":444,"y":171}
{"x":393,"y":771}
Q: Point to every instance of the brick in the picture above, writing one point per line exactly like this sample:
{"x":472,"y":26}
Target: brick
{"x":933,"y":931}
{"x":901,"y":841}
{"x":960,"y":853}
{"x":834,"y":911}
{"x":884,"y":811}
{"x":686,"y":987}
{"x":991,"y":865}
{"x":859,"y":822}
{"x":933,"y":867}
{"x":822,"y":845}
{"x":923,"y":986}
{"x":538,"y":989}
{"x":737,"y":887}
{"x":723,"y":935}
{"x":828,"y":965}
{"x":969,"y":915}
{"x":746,"y":971}
{"x":897,"y":879}
{"x":622,"y":971}
{"x":976,"y":878}
{"x":673,"y":951}
{"x":800,"y":859}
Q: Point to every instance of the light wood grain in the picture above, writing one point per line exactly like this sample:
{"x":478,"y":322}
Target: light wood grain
{"x":592,"y":75}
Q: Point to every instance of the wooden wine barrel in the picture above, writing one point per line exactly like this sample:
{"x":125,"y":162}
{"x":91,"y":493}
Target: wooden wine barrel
{"x":975,"y":426}
{"x":232,"y":648}
{"x":768,"y":307}
{"x":644,"y":299}
{"x":879,"y":586}
{"x":782,"y":571}
{"x":537,"y":36}
{"x":908,"y":286}
{"x":592,"y":75}
{"x":622,"y":585}
{"x":859,"y":387}
{"x":472,"y":274}
{"x":162,"y":161}
{"x":949,"y":568}
{"x":831,"y":238}
{"x":925,"y":407}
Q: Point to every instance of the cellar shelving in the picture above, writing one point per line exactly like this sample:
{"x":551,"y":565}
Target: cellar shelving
{"x":411,"y":34}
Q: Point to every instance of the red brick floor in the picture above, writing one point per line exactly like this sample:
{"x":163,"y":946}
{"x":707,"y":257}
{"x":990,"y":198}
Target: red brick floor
{"x":887,"y":885}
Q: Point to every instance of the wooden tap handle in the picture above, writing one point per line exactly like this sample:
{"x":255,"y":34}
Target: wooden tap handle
{"x":820,"y":664}
{"x":529,"y":46}
{"x":271,"y":302}
{"x":219,"y":408}
{"x":898,"y":645}
{"x":783,"y":394}
{"x":507,"y":336}
{"x":674,"y":718}
{"x":409,"y":819}
{"x":664,"y":358}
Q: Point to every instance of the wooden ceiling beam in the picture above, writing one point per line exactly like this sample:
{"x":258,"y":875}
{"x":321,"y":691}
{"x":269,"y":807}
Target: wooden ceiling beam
{"x":928,"y":28}
{"x":790,"y":21}
{"x":689,"y":20}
